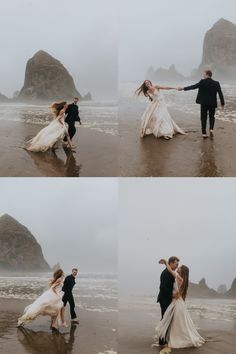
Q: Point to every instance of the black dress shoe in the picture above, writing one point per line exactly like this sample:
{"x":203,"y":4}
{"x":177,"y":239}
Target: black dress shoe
{"x":55,"y":329}
{"x":75,"y":321}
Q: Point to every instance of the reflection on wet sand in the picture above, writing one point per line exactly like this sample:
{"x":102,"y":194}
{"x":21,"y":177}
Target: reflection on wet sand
{"x":152,"y":160}
{"x":207,"y":164}
{"x":51,"y":165}
{"x":37,"y":342}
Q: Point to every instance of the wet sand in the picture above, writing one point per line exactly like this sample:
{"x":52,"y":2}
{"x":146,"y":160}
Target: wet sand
{"x":96,"y":333}
{"x":96,"y":154}
{"x":184,"y":156}
{"x":137,"y":328}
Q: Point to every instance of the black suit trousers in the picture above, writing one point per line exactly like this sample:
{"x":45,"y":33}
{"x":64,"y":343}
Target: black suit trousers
{"x":164,"y":305}
{"x":71,"y":131}
{"x":205,"y":111}
{"x":68,"y":297}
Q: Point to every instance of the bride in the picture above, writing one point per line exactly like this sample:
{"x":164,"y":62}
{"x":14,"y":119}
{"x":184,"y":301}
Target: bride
{"x":177,"y":327}
{"x":48,"y":137}
{"x":156,"y":119}
{"x":48,"y":304}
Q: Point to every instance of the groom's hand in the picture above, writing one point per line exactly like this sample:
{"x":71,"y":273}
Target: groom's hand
{"x":180,"y":88}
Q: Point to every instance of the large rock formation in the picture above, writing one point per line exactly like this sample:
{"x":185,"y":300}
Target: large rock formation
{"x":3,"y":98}
{"x":219,"y":50}
{"x":201,"y":290}
{"x":162,"y":75}
{"x":222,"y":289}
{"x":47,"y":79}
{"x":19,"y":250}
{"x":232,"y":291}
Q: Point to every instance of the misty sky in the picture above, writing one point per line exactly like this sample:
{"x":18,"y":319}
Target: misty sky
{"x":73,"y":221}
{"x":165,"y":32}
{"x":193,"y":219}
{"x":82,"y":34}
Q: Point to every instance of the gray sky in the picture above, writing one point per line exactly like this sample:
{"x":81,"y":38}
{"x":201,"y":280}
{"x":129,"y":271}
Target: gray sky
{"x":193,"y":219}
{"x":82,"y":34}
{"x":165,"y":32}
{"x":74,"y":221}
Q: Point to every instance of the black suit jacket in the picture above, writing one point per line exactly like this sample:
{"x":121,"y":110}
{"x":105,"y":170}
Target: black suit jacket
{"x":207,"y":92}
{"x":72,"y":114}
{"x":166,"y":287}
{"x":68,"y":285}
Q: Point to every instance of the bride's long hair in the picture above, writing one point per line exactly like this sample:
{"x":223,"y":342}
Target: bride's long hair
{"x":144,"y":90}
{"x":56,"y":275}
{"x":57,"y":107}
{"x":184,"y":273}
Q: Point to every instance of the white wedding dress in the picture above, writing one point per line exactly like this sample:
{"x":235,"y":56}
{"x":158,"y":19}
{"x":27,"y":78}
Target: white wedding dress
{"x":156,"y":119}
{"x":48,"y":304}
{"x":48,"y":136}
{"x":177,"y":327}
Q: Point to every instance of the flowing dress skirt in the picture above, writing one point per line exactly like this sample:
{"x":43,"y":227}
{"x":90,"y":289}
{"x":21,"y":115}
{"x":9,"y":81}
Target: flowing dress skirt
{"x":48,"y":304}
{"x":47,"y":137}
{"x":177,"y":327}
{"x":156,"y":120}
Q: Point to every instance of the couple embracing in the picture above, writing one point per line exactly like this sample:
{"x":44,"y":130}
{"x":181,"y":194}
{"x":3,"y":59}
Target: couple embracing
{"x":176,"y":328}
{"x":156,"y":119}
{"x":53,"y":301}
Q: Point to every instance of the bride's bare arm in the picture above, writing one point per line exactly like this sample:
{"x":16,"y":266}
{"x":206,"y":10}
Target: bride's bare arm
{"x":175,"y":274}
{"x":166,"y":87}
{"x":61,"y":116}
{"x":58,"y":282}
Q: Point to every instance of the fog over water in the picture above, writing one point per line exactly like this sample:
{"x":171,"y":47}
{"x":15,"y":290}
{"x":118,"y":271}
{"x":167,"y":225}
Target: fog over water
{"x":161,"y":33}
{"x":192,"y":219}
{"x":73,"y":222}
{"x":81,"y":34}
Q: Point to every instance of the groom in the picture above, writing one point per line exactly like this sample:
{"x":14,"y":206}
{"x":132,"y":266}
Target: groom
{"x":67,"y":288}
{"x":207,"y":98}
{"x":72,"y":112}
{"x":166,"y":287}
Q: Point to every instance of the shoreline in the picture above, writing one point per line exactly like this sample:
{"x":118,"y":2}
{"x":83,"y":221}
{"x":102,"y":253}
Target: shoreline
{"x":91,"y":158}
{"x":183,"y":156}
{"x":96,"y":333}
{"x":138,"y":320}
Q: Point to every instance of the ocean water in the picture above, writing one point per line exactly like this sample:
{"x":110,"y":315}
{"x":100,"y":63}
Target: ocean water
{"x":93,"y":291}
{"x":206,"y":313}
{"x":185,"y":101}
{"x":99,"y":116}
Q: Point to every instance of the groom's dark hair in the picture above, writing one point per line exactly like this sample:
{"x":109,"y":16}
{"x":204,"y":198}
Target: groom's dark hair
{"x":173,"y":259}
{"x":208,"y":73}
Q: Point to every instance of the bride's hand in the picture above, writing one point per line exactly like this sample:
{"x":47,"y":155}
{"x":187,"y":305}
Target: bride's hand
{"x":162,"y":261}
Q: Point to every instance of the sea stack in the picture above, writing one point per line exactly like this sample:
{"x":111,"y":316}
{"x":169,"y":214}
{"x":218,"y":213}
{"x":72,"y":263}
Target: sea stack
{"x":19,"y":250}
{"x":3,"y":98}
{"x":47,"y":79}
{"x":232,"y":291}
{"x":219,"y":51}
{"x":162,"y":75}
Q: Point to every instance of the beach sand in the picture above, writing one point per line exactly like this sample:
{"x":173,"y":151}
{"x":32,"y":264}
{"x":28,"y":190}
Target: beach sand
{"x":96,"y":333}
{"x":137,"y":328}
{"x":184,"y":156}
{"x":96,"y":154}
